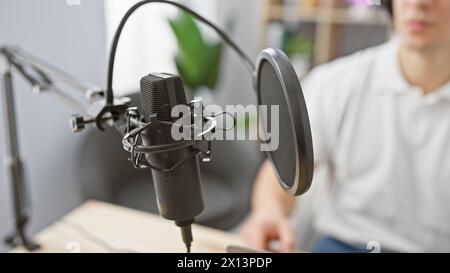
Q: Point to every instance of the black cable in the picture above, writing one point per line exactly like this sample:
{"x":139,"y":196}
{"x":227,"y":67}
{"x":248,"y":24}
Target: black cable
{"x":186,"y":234}
{"x":109,"y":91}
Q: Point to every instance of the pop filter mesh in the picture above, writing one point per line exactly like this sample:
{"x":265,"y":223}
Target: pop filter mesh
{"x":271,"y":93}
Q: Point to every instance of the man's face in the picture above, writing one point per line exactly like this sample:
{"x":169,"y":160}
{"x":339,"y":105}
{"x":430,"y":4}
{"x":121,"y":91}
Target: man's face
{"x":423,"y":24}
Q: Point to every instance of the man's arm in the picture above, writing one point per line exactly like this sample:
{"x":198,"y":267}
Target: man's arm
{"x":268,"y":196}
{"x":271,"y":206}
{"x":269,"y":219}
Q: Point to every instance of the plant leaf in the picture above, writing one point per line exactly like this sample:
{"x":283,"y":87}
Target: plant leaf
{"x":197,"y":61}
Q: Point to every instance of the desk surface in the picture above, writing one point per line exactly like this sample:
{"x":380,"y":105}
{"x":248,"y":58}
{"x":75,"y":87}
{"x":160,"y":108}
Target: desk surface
{"x":101,"y":227}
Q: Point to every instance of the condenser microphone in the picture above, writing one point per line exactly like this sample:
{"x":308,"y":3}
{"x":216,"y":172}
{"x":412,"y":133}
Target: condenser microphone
{"x":176,"y":172}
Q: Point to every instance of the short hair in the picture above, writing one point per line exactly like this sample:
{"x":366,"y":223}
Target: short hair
{"x":387,"y":4}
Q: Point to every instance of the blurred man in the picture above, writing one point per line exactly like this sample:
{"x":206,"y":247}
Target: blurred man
{"x":381,"y":121}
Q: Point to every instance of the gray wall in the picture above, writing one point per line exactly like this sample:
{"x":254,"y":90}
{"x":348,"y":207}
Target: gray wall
{"x":235,"y":86}
{"x":72,"y":38}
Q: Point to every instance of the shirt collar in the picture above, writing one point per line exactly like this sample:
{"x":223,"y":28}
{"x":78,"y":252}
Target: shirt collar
{"x":442,"y":93}
{"x":392,"y":81}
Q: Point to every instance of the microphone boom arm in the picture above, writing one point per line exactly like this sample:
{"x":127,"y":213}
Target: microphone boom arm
{"x":42,"y":77}
{"x":19,"y":59}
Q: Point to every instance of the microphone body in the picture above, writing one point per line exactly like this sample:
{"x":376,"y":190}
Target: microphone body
{"x":178,"y":191}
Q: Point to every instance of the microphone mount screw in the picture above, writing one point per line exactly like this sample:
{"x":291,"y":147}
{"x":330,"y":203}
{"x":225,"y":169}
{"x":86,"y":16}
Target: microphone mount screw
{"x":78,"y":123}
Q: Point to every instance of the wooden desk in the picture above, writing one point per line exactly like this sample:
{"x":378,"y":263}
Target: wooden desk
{"x":102,"y":227}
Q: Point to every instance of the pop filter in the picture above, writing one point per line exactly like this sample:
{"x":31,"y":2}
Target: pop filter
{"x":277,"y":83}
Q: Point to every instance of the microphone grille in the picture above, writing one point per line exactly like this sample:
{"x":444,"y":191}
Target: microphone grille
{"x":159,"y":93}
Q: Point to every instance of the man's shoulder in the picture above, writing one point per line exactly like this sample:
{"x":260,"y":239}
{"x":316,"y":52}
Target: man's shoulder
{"x":331,"y":86}
{"x":355,"y":63}
{"x":345,"y":75}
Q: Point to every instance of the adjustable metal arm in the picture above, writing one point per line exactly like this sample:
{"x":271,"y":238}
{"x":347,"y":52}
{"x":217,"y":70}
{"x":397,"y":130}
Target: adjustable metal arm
{"x":48,"y":73}
{"x":14,"y":168}
{"x":42,"y":77}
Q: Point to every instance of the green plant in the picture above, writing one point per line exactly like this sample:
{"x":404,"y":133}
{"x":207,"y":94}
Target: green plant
{"x":197,"y":61}
{"x":244,"y":123}
{"x":297,"y":44}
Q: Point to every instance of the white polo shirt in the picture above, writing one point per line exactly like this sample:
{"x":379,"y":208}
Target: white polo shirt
{"x":389,"y":148}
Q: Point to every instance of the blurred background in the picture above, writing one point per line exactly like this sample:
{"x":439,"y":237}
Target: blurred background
{"x":64,"y":169}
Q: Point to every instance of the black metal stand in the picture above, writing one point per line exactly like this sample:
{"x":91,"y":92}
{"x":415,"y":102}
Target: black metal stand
{"x":14,"y":168}
{"x":43,"y":77}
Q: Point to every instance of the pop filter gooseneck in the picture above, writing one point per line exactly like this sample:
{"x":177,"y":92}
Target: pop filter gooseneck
{"x":109,"y":90}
